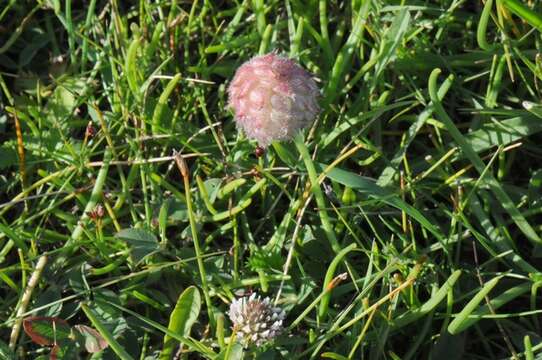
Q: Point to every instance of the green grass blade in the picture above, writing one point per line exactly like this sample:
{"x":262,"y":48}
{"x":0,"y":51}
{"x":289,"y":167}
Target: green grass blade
{"x":368,"y":186}
{"x":330,"y":273}
{"x":474,"y":316}
{"x":317,"y":191}
{"x":343,"y":58}
{"x":160,"y":112}
{"x":430,"y":304}
{"x":130,"y":67}
{"x":117,"y":348}
{"x":532,"y":17}
{"x":461,"y":321}
{"x":499,"y":193}
{"x":482,"y":26}
{"x":182,"y":318}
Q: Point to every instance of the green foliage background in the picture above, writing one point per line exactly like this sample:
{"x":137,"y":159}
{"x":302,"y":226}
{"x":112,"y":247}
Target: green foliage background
{"x":404,"y":224}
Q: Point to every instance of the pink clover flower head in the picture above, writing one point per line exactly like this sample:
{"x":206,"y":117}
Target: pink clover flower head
{"x":273,"y":98}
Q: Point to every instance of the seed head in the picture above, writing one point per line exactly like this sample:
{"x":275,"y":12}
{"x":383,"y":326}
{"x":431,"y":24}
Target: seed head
{"x":255,"y":320}
{"x":273,"y":98}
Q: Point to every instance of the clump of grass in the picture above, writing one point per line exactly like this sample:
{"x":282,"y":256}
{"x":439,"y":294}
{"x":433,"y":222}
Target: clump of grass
{"x":403,"y":223}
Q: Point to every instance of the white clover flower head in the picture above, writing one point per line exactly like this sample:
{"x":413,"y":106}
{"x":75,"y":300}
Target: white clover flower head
{"x":273,"y":98}
{"x":255,"y":321}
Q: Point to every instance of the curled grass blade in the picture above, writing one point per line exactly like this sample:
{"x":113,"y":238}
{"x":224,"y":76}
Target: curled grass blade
{"x":324,"y":303}
{"x":482,"y":26}
{"x":161,"y":106}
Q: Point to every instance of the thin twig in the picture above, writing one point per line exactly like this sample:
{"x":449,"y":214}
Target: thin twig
{"x":169,"y":77}
{"x":143,"y":161}
{"x":54,"y":193}
{"x":25,"y":300}
{"x":490,"y":307}
{"x":300,"y":214}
